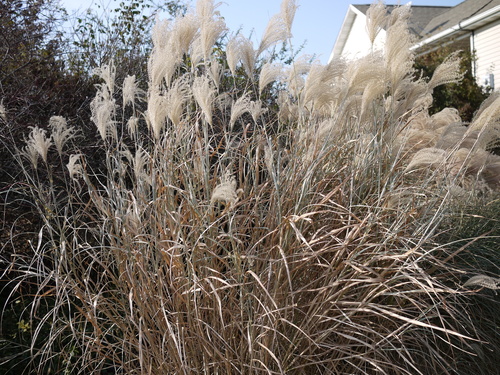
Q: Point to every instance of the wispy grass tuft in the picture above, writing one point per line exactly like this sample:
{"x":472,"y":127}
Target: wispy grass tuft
{"x":224,"y":242}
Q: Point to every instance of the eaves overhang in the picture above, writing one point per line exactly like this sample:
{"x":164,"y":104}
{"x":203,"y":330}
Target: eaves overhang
{"x":458,"y":31}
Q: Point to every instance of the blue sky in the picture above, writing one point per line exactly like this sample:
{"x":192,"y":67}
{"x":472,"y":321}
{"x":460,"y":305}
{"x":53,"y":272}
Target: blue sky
{"x":317,"y":22}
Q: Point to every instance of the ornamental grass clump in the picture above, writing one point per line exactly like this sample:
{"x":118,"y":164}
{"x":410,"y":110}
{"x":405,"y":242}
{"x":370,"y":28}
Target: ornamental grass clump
{"x":231,"y":237}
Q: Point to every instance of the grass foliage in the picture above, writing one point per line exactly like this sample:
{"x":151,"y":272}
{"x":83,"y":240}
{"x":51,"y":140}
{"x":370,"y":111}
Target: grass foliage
{"x":221,"y":236}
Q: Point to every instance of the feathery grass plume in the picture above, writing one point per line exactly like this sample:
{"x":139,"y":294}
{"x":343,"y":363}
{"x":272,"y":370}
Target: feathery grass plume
{"x":140,"y":162}
{"x":103,"y":105}
{"x":399,"y":58}
{"x":276,"y":30}
{"x":287,"y":12}
{"x":233,"y":53}
{"x":447,"y":72}
{"x":321,"y":85}
{"x":483,"y":281}
{"x":30,"y":152}
{"x":399,"y":13}
{"x":248,"y":56}
{"x":103,"y":109}
{"x":477,"y":165}
{"x":296,"y":72}
{"x":376,"y":20}
{"x":39,"y":142}
{"x":362,"y":71}
{"x":455,"y":136}
{"x":176,"y":97}
{"x":241,"y":49}
{"x":445,"y":117}
{"x":225,"y":192}
{"x":256,"y":110}
{"x":216,"y":71}
{"x":156,"y":114}
{"x":269,"y":72}
{"x":427,"y":158}
{"x":212,"y":25}
{"x":133,"y":127}
{"x":184,"y":31}
{"x":3,"y":111}
{"x":60,"y":132}
{"x":107,"y":73}
{"x":487,"y":122}
{"x":240,"y":106}
{"x":130,"y":90}
{"x":204,"y":95}
{"x":412,"y":140}
{"x":74,"y":167}
{"x":164,"y":57}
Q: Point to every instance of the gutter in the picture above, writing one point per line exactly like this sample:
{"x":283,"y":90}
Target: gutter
{"x":490,"y":14}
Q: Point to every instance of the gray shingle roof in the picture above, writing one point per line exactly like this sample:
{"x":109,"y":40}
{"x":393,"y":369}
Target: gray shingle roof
{"x":457,"y":14}
{"x":419,"y":18}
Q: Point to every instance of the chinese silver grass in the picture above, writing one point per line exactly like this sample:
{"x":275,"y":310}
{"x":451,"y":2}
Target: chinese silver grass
{"x":240,"y":106}
{"x":156,"y":114}
{"x":376,"y":20}
{"x":269,"y":72}
{"x":37,"y":144}
{"x":130,"y":90}
{"x":216,"y":72}
{"x":241,"y":49}
{"x":60,"y":132}
{"x":398,"y":56}
{"x":399,"y":13}
{"x":164,"y":57}
{"x":321,"y":85}
{"x":455,"y":136}
{"x":75,"y":169}
{"x":225,"y":192}
{"x":477,"y":165}
{"x":103,"y":105}
{"x":176,"y":98}
{"x":445,"y":117}
{"x":276,"y":30}
{"x":233,"y":53}
{"x":30,"y":153}
{"x":184,"y":31}
{"x":287,"y":13}
{"x":256,"y":110}
{"x":427,"y":158}
{"x":3,"y":111}
{"x":212,"y":26}
{"x":362,"y":71}
{"x":133,"y":126}
{"x":205,"y":9}
{"x":447,"y":72}
{"x":248,"y":56}
{"x":296,"y":72}
{"x":204,"y":95}
{"x":140,"y":162}
{"x":487,"y":122}
{"x":483,"y":281}
{"x":107,"y":73}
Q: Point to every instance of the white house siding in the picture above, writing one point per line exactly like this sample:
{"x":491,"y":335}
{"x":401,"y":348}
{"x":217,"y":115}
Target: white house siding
{"x":358,"y":44}
{"x":486,"y":43}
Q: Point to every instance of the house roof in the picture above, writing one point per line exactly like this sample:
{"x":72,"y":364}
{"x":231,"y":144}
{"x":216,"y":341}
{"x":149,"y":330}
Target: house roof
{"x":420,"y":15}
{"x":458,"y":14}
{"x":433,"y":25}
{"x":457,"y":23}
